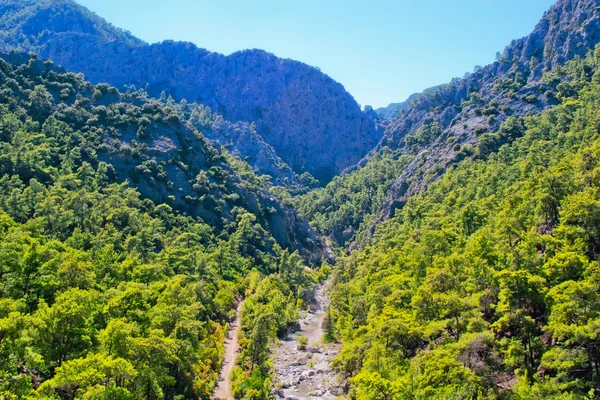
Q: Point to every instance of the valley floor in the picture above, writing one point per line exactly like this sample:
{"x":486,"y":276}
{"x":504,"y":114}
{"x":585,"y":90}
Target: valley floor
{"x":307,"y":374}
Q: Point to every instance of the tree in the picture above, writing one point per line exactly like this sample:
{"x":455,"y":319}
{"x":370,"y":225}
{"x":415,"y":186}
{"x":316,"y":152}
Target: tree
{"x":95,"y":377}
{"x":41,"y":102}
{"x":65,"y":330}
{"x":261,"y":332}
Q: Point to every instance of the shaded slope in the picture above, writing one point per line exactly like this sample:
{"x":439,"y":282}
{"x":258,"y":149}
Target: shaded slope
{"x":307,"y":117}
{"x":144,"y":143}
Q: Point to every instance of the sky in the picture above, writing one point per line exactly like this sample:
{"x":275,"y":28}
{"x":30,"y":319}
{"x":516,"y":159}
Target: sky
{"x":381,"y":51}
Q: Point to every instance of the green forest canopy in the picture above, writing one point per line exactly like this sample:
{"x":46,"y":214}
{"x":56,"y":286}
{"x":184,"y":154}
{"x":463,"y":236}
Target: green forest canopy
{"x":105,"y":293}
{"x":487,"y":285}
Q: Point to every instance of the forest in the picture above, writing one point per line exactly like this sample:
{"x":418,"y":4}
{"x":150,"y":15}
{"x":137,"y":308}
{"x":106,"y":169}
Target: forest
{"x":486,"y":285}
{"x":105,"y":293}
{"x":456,"y":251}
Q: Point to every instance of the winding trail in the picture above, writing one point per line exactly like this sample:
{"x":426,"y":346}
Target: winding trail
{"x":306,"y":373}
{"x":223,"y":389}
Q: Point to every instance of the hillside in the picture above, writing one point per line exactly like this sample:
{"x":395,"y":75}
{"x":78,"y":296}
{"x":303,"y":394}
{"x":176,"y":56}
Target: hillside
{"x":144,"y":143}
{"x":469,"y":117}
{"x":125,"y":238}
{"x":240,"y":139}
{"x":462,"y":110}
{"x":486,"y":285}
{"x":310,"y":120}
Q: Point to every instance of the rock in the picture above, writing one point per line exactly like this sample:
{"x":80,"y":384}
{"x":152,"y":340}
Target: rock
{"x":313,"y":349}
{"x":301,"y":361}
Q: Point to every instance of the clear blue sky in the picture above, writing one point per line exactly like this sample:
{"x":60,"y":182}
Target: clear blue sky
{"x":381,"y":51}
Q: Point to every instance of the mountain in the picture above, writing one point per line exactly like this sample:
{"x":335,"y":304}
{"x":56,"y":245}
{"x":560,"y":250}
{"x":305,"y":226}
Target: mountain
{"x":438,"y":125}
{"x":313,"y":124}
{"x":393,"y":109}
{"x":143,"y":142}
{"x":133,"y":224}
{"x":126,"y":240}
{"x":479,"y":277}
{"x":467,"y":118}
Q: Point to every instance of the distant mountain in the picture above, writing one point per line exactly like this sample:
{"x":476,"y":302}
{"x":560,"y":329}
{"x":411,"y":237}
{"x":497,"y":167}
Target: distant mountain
{"x":309,"y":119}
{"x":393,"y":109}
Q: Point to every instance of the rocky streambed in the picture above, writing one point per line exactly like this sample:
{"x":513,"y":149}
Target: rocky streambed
{"x":304,"y":369}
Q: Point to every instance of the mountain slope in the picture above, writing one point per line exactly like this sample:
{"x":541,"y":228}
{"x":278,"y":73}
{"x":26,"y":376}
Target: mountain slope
{"x":145,"y":143}
{"x":511,"y":87}
{"x":467,"y":118}
{"x":307,"y":117}
{"x":486,"y":285}
{"x":240,"y":139}
{"x":126,"y":240}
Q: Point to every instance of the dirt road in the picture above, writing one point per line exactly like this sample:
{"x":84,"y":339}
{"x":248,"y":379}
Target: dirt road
{"x":223,"y":389}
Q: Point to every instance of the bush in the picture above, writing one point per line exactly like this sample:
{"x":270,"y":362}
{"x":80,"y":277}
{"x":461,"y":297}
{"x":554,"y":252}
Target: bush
{"x":302,"y":341}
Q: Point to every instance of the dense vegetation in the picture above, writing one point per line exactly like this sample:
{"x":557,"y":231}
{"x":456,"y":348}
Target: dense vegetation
{"x":105,"y":293}
{"x":346,"y":207}
{"x":487,"y":285}
{"x":127,"y":238}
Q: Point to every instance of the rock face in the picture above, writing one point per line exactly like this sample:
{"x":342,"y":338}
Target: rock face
{"x":307,"y":117}
{"x":461,"y":111}
{"x":240,"y":139}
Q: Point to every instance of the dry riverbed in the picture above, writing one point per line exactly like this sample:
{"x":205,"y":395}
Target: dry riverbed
{"x":307,"y":373}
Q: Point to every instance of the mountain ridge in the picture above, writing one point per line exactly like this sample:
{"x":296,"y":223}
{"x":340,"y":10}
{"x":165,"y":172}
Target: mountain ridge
{"x":469,"y":117}
{"x":480,"y":103}
{"x":308,"y":118}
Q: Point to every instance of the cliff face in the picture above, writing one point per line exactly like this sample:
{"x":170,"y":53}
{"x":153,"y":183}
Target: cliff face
{"x":440,"y":124}
{"x":309,"y":119}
